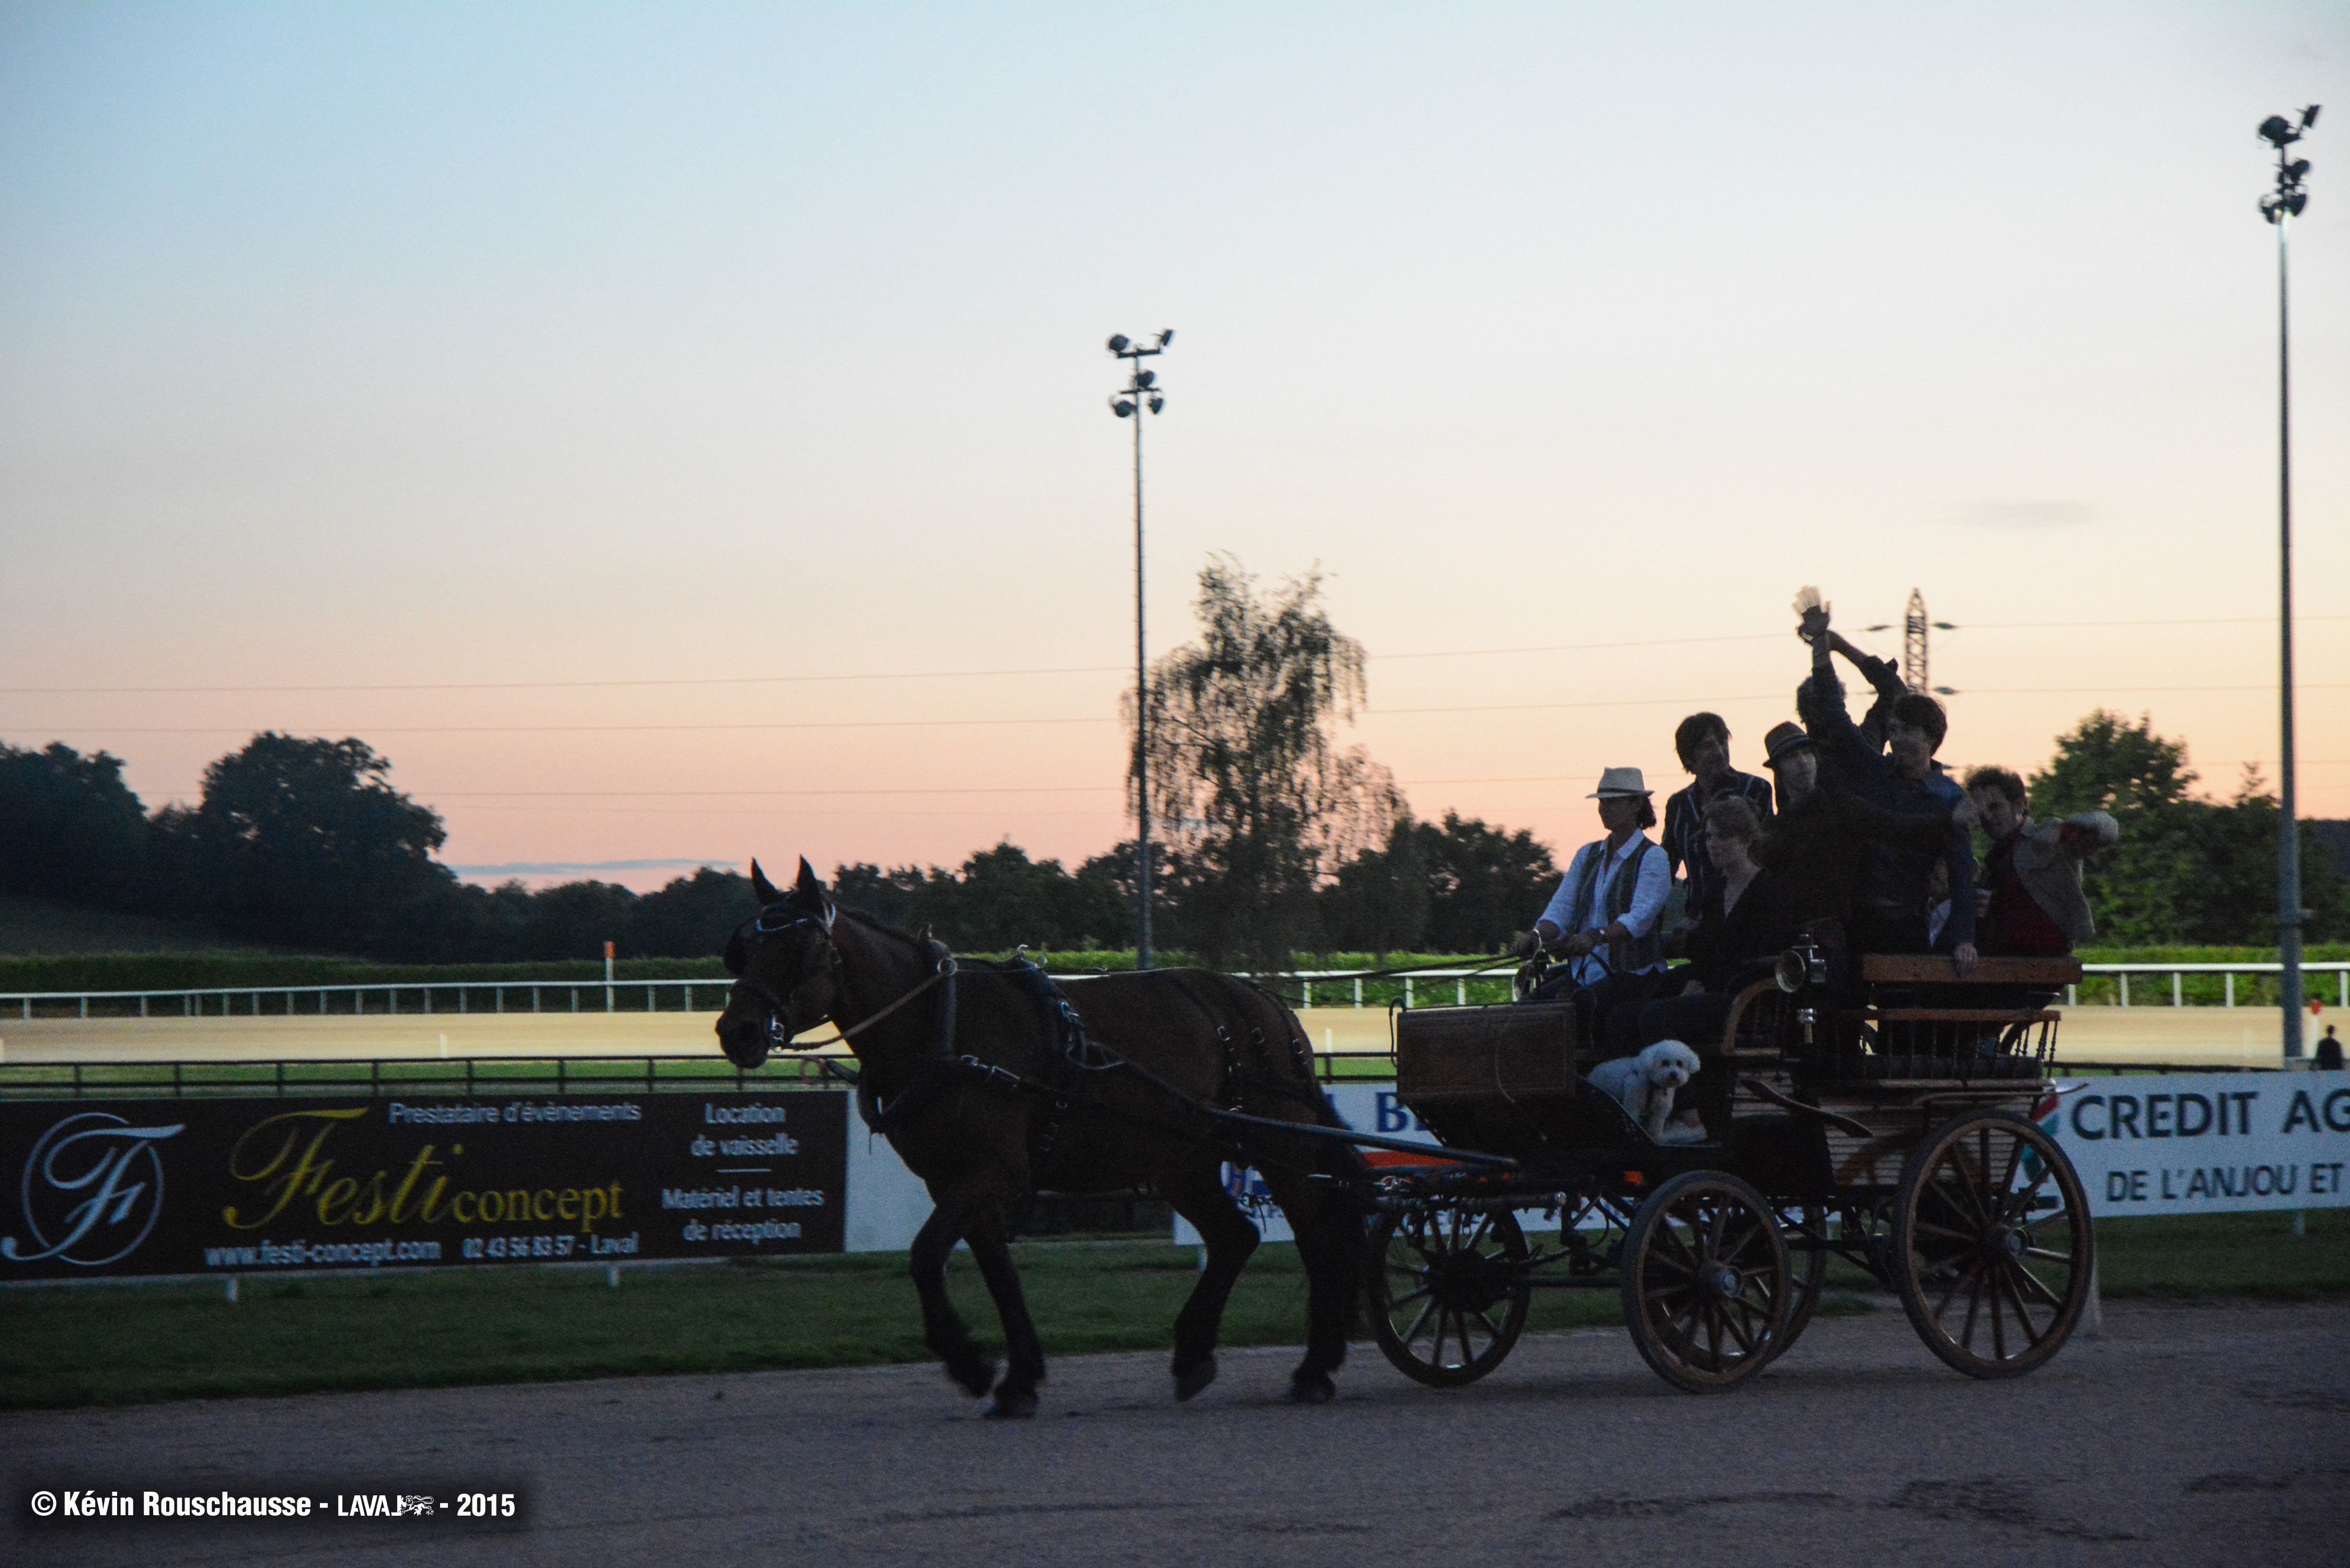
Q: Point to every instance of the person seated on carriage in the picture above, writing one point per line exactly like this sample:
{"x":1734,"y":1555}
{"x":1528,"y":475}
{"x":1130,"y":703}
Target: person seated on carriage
{"x":1745,"y":925}
{"x":1605,"y":917}
{"x":1817,"y":846}
{"x":2029,"y":901}
{"x":1702,"y":743}
{"x":1889,"y":914}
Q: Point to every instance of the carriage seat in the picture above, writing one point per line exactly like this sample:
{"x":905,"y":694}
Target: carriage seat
{"x":1934,"y":969}
{"x":1960,"y":1066}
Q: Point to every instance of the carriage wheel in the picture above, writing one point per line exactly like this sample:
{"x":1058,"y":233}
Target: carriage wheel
{"x":1449,"y":1291}
{"x":1993,"y":1246}
{"x":1808,"y":1273}
{"x":1706,"y":1289}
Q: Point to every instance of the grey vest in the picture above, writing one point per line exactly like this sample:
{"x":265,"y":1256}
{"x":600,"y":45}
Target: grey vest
{"x":1635,"y":953}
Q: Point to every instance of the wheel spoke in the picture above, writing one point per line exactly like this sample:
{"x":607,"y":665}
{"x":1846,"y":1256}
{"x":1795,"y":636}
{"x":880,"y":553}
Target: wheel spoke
{"x":2045,"y":1256}
{"x":1998,"y":1315}
{"x":1411,"y":1333}
{"x":2014,"y":1157}
{"x":2019,"y":1203}
{"x":1408,"y":1296}
{"x":2023,"y":1276}
{"x":2015,"y":1299}
{"x":1746,"y":1342}
{"x":1957,"y":1284}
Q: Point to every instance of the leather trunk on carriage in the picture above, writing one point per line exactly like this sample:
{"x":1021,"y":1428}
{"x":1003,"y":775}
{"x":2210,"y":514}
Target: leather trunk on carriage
{"x":1494,"y":1078}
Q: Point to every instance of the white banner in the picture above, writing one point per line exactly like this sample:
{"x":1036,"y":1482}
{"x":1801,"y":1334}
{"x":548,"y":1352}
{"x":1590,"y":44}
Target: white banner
{"x":2206,"y":1143}
{"x":1366,"y":1108}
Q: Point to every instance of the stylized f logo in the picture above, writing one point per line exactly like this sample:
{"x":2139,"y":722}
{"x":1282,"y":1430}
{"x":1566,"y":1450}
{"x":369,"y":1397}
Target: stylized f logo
{"x":94,"y":1182}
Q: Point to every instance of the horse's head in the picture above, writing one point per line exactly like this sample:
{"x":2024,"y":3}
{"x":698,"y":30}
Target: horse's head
{"x":787,"y":975}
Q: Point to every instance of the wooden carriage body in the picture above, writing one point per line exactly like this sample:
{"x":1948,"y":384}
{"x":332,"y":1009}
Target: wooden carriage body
{"x":1892,"y":1126}
{"x":1817,"y":1092}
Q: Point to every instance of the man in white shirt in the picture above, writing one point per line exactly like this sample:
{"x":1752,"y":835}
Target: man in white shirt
{"x":1605,"y":918}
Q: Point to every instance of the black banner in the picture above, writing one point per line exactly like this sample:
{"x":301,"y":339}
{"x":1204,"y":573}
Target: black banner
{"x":253,"y":1186}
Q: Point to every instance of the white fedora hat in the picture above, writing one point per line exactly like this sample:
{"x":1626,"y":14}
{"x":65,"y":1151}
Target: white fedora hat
{"x":1614,"y":782}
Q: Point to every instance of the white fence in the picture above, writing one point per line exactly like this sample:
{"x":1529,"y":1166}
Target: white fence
{"x":1315,"y":988}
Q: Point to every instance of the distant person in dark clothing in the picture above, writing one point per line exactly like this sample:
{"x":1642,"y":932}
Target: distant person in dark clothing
{"x":2329,"y":1053}
{"x":1703,"y":742}
{"x":1889,"y":914}
{"x":2029,"y":898}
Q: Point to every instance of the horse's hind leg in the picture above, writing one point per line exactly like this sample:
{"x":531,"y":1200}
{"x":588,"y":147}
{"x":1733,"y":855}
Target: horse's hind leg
{"x":1197,"y":1193}
{"x":1016,"y":1396}
{"x":942,"y":1327}
{"x":1329,"y":1244}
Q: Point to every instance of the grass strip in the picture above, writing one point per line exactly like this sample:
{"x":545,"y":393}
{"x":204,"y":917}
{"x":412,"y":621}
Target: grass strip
{"x":136,"y":1343}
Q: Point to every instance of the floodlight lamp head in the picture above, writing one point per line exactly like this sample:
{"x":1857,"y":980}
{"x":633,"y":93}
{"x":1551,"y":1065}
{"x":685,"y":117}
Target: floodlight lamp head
{"x":1945,"y":690}
{"x":1156,"y":402}
{"x":2297,"y":171}
{"x":1167,"y":335}
{"x":1118,"y":343}
{"x":1120,"y":407}
{"x":2278,"y":131}
{"x":2309,"y":115}
{"x":1146,"y":377}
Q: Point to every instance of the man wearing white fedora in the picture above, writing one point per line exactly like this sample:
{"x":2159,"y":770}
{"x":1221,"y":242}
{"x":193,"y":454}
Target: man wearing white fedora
{"x":1605,"y":917}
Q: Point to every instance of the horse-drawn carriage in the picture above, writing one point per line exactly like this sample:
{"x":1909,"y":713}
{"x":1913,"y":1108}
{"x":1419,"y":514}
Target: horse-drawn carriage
{"x":1888,"y":1123}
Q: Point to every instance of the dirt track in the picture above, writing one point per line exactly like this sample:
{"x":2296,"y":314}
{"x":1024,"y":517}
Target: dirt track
{"x":2185,"y":1436}
{"x":2178,"y":1035}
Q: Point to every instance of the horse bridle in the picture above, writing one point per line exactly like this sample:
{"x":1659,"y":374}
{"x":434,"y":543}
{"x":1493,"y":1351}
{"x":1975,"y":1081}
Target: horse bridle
{"x":779,"y":1023}
{"x":774,"y":921}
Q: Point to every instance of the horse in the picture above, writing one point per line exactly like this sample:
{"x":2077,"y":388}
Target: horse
{"x":992,"y":1082}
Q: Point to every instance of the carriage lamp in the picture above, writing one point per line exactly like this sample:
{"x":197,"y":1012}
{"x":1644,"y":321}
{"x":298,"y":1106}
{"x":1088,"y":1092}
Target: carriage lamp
{"x":1799,"y":966}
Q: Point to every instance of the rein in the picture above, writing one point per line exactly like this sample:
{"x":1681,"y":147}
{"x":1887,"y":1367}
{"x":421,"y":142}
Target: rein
{"x":945,"y":970}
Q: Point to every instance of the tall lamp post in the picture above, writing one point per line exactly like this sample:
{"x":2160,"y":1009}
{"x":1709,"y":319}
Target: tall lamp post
{"x":2280,"y":206}
{"x":1140,"y":391}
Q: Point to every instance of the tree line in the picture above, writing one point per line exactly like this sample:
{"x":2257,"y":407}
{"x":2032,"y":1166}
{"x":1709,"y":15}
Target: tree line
{"x":303,"y":843}
{"x":1278,"y":841}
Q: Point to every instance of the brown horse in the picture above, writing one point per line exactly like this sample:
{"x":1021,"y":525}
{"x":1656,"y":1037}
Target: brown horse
{"x":989,"y":1089}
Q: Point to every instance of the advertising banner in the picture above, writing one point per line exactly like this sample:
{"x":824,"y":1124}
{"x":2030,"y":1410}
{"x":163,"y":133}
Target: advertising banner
{"x":2206,"y":1143}
{"x":2171,"y":1143}
{"x":236,"y":1186}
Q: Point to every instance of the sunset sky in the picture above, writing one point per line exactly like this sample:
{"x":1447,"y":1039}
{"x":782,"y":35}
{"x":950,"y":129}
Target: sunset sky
{"x":678,"y":431}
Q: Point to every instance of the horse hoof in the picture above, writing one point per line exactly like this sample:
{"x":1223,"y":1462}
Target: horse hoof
{"x":976,"y":1376}
{"x":1012,"y":1406}
{"x":1312,"y":1388}
{"x":1190,"y":1380}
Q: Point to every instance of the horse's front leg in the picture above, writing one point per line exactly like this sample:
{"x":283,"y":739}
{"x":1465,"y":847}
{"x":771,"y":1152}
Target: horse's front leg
{"x":1016,"y":1396}
{"x":944,"y":1329}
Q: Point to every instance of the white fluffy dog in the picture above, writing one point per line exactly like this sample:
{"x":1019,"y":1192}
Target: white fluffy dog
{"x":1644,"y":1085}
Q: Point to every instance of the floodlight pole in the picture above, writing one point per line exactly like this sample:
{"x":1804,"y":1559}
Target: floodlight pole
{"x":1140,"y":393}
{"x":2279,"y":207}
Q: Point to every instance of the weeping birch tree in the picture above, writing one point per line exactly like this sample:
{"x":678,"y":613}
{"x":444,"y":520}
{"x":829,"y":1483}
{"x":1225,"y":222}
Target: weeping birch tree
{"x":1262,"y":805}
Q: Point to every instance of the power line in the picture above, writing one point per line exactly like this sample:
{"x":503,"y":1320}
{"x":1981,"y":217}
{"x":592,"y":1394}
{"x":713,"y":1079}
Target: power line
{"x":1047,"y":669}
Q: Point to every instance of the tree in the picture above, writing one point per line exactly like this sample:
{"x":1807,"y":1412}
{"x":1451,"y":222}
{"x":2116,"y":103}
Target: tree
{"x":1261,"y":803}
{"x":71,"y":829}
{"x":691,"y":917}
{"x":1483,"y":883}
{"x":301,"y":841}
{"x":1379,"y":903}
{"x":2187,"y":868}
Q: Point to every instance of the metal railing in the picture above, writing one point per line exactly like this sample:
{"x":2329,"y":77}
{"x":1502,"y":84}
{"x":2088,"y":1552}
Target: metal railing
{"x":1309,"y":988}
{"x":478,"y":1075}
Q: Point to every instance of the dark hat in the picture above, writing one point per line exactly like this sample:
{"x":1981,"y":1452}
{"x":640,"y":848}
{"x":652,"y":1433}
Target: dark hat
{"x":1782,"y":740}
